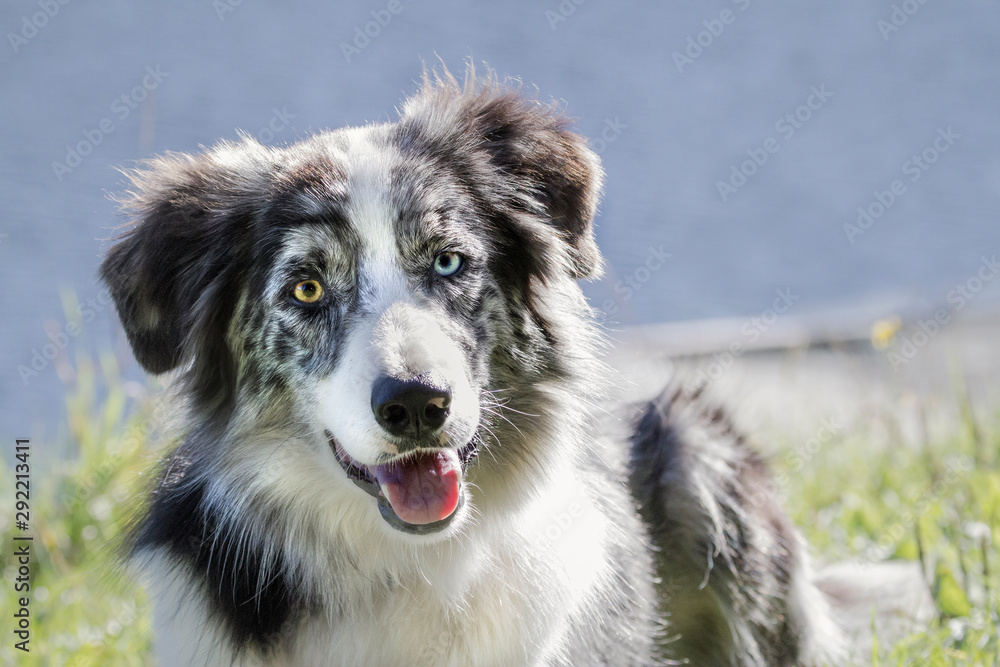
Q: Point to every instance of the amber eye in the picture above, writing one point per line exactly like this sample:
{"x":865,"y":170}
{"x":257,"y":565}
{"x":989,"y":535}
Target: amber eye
{"x":308,"y":291}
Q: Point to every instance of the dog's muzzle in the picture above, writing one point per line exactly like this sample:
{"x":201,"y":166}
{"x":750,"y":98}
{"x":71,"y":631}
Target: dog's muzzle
{"x":420,"y":491}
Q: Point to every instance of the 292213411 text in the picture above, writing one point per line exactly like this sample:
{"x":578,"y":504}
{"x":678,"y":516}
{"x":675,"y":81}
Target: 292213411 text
{"x":22,"y":545}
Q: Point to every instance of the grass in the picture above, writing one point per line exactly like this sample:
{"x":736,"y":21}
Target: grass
{"x":857,"y":497}
{"x":864,"y":497}
{"x":83,"y":610}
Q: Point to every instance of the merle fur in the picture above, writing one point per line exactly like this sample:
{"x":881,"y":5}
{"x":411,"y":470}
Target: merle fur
{"x":712,"y":561}
{"x":188,"y":276}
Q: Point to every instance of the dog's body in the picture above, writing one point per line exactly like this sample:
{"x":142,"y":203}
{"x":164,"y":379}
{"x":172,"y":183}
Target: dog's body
{"x":390,"y":376}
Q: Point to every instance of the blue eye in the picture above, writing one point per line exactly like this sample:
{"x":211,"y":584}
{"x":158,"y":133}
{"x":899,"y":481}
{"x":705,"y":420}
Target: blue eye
{"x":448,"y":264}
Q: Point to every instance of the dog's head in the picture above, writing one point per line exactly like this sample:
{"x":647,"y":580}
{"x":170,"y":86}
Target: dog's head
{"x":394,"y":290}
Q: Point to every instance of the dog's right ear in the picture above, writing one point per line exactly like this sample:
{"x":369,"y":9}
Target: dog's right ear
{"x":537,"y":162}
{"x":172,"y":272}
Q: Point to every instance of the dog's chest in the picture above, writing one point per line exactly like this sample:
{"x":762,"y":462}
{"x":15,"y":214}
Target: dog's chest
{"x":509,"y":606}
{"x":503,"y":619}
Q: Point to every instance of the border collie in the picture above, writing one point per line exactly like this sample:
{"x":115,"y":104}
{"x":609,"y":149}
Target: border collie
{"x":390,"y":378}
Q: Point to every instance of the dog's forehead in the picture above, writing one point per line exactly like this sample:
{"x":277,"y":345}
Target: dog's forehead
{"x":358,"y":194}
{"x":373,"y":204}
{"x":372,"y":196}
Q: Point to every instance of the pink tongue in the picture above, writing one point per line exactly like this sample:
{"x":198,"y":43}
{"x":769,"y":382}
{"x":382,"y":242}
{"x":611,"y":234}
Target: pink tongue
{"x":424,"y":488}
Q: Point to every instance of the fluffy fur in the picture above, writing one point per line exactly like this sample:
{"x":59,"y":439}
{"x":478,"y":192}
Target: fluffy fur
{"x":261,"y":545}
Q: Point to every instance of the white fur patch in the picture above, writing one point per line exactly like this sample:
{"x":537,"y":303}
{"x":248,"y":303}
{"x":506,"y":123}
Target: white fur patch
{"x":393,"y":333}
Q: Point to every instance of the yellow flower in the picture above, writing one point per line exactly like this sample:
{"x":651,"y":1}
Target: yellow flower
{"x":884,"y":331}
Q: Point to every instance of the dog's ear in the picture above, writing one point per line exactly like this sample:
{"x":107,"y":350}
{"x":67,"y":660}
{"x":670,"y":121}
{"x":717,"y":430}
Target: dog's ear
{"x":173,"y":273}
{"x":543,"y":167}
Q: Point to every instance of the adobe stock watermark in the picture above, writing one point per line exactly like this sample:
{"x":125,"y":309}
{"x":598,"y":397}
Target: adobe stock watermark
{"x":364,"y":33}
{"x":101,"y":636}
{"x":560,"y":525}
{"x":796,"y":459}
{"x":633,"y":282}
{"x":714,"y":27}
{"x":138,"y":435}
{"x":786,"y":127}
{"x":913,"y":168}
{"x":121,"y":108}
{"x":279,"y":122}
{"x":907,"y":347}
{"x":612,"y":129}
{"x":437,"y":650}
{"x":30,"y":25}
{"x":956,"y":468}
{"x":565,"y":9}
{"x":898,"y":17}
{"x":42,"y":357}
{"x":751,"y":331}
{"x":223,"y":7}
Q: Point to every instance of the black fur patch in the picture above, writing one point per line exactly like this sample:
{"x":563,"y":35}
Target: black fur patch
{"x":746,"y":560}
{"x":255,"y":600}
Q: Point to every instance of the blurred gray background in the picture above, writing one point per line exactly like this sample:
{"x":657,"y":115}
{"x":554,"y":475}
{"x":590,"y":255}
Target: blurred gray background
{"x":676,"y":96}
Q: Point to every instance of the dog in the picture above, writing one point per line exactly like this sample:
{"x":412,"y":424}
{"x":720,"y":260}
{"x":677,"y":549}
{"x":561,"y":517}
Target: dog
{"x":392,"y":392}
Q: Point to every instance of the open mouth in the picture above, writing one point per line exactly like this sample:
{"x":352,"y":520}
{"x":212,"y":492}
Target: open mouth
{"x":417,"y":493}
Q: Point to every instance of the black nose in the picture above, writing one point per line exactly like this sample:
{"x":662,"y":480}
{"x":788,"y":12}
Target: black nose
{"x":409,"y":407}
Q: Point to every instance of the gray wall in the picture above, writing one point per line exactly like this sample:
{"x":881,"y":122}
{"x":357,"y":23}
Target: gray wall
{"x":670,"y":117}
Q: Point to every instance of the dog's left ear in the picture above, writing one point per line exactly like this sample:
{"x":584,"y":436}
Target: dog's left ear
{"x":552,"y":169}
{"x":174,"y":273}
